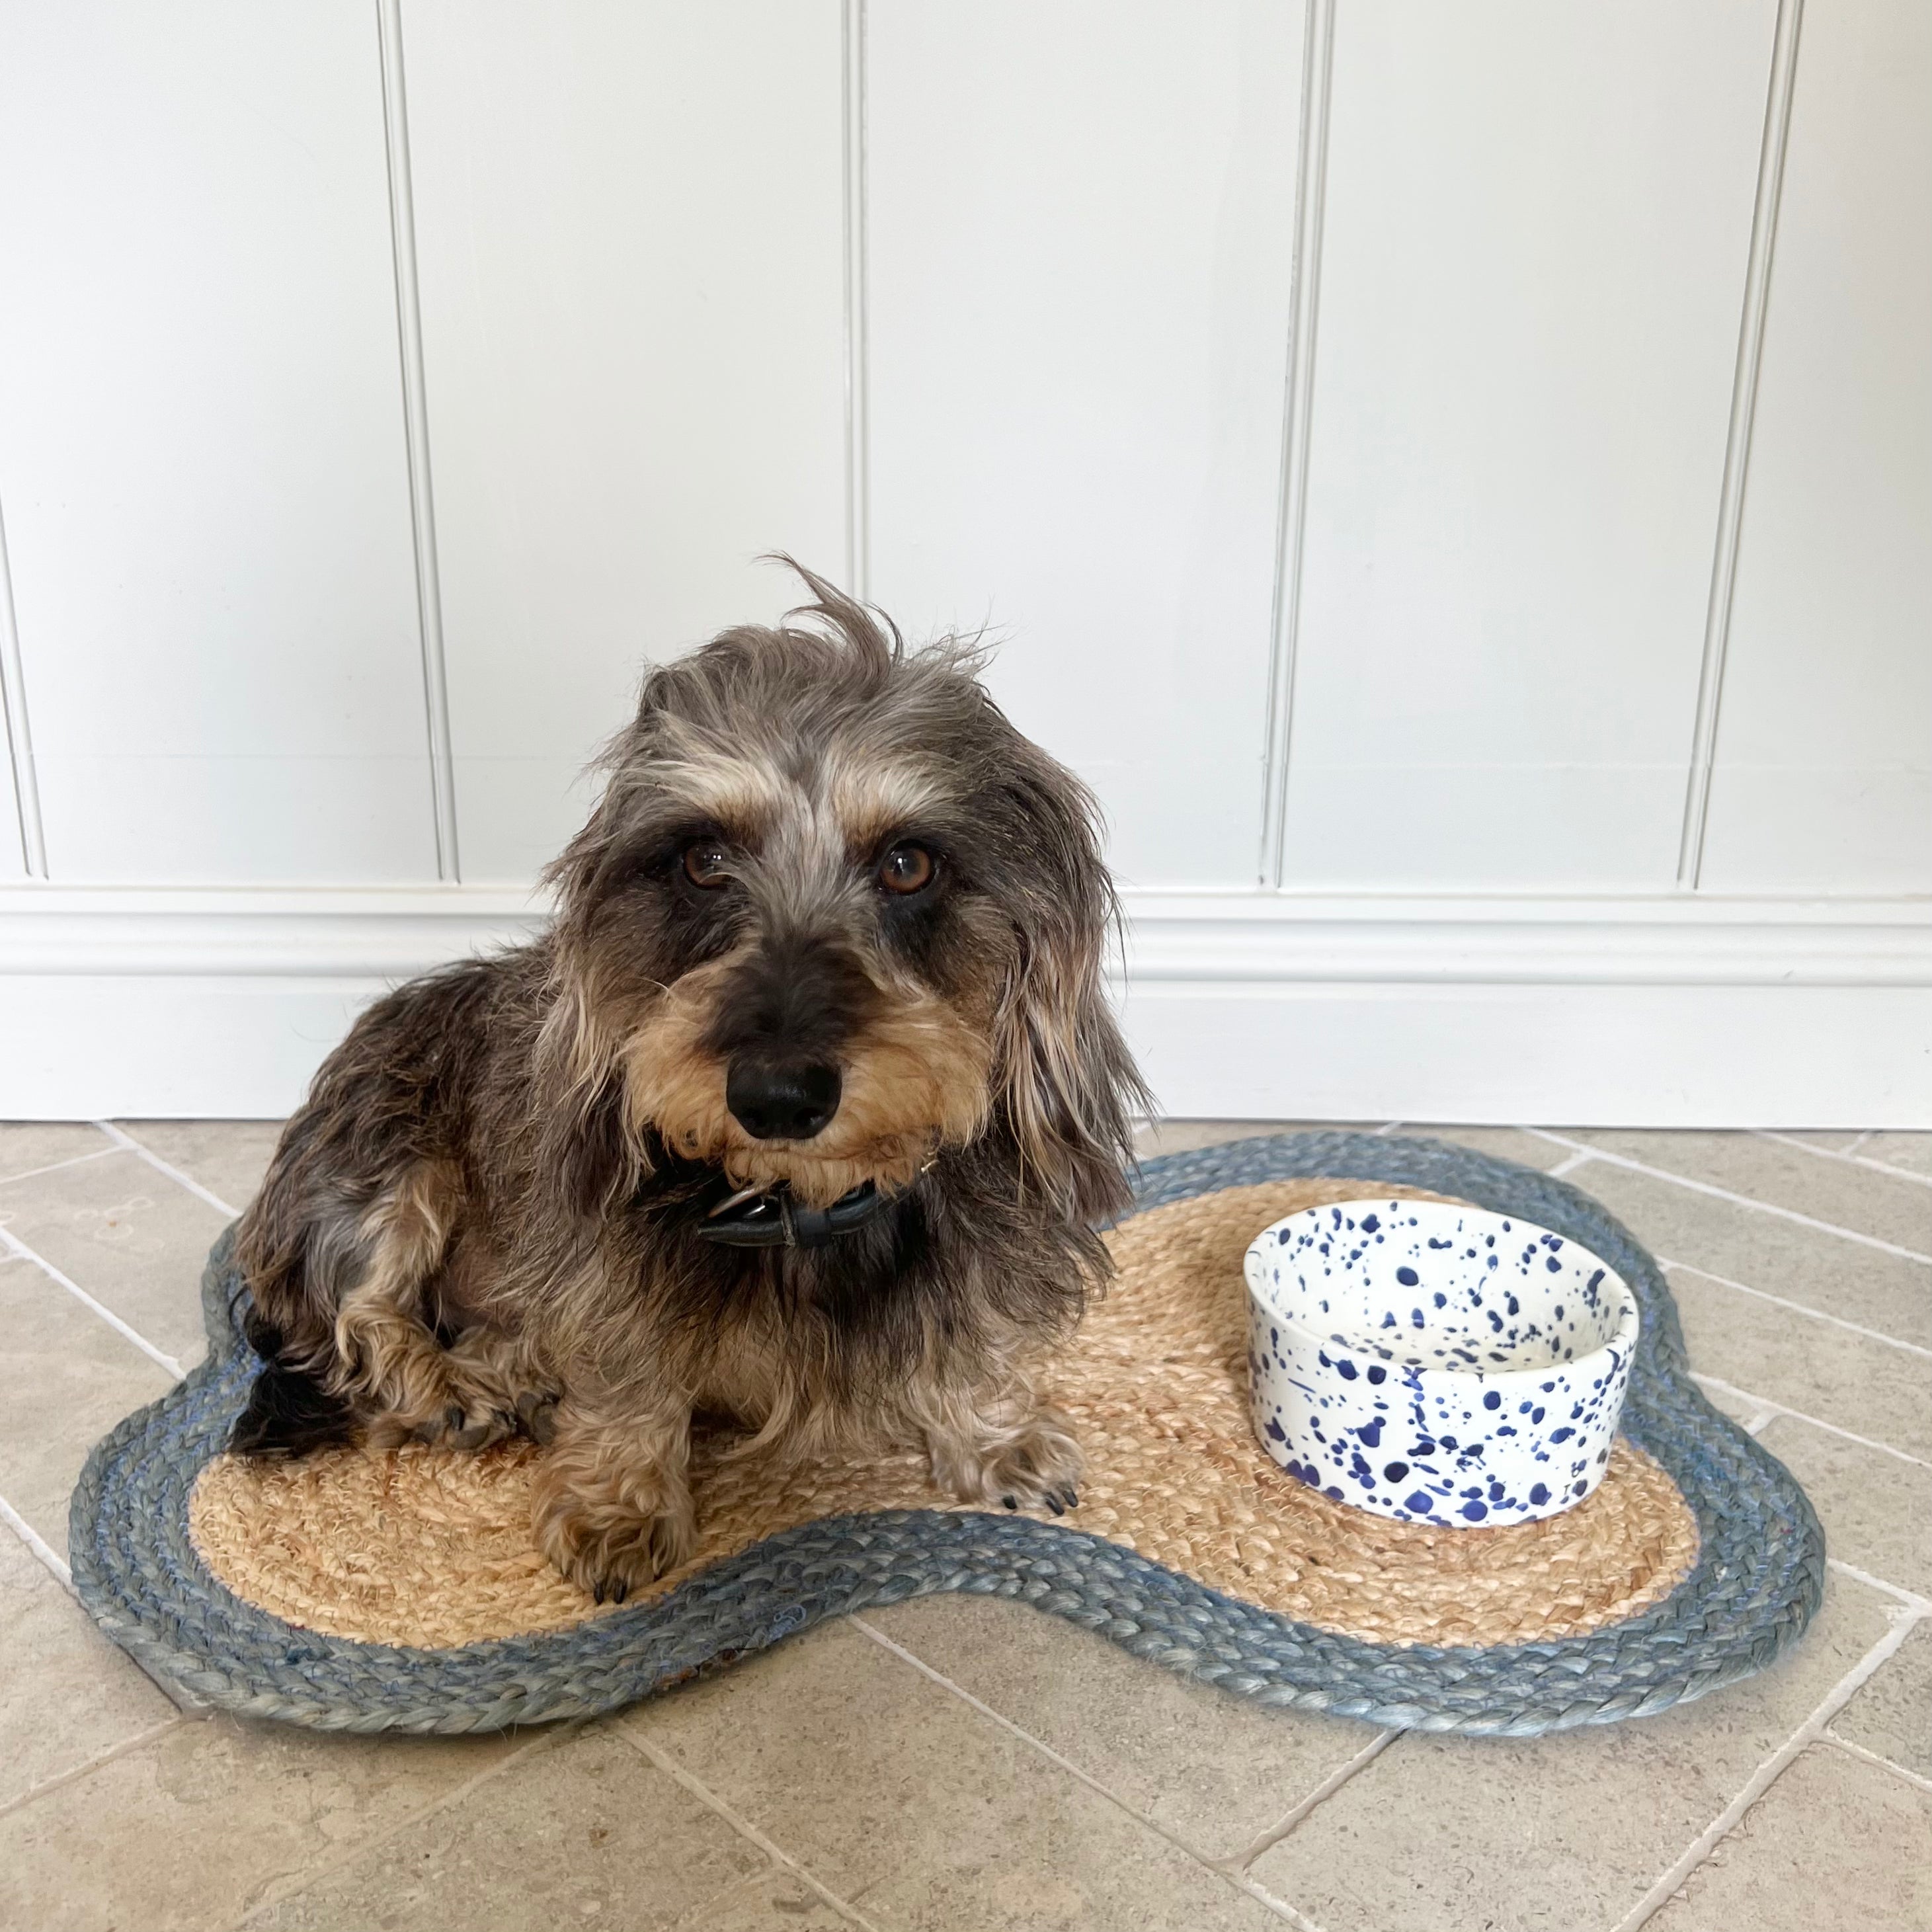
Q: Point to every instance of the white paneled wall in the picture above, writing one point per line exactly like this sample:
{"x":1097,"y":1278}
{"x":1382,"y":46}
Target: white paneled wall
{"x":1823,"y":771}
{"x":1528,"y":321}
{"x":202,"y":471}
{"x":630,"y":227}
{"x":1458,"y":481}
{"x":1079,"y":276}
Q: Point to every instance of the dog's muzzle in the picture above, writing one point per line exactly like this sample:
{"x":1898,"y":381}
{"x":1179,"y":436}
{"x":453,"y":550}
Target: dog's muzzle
{"x":769,"y":1218}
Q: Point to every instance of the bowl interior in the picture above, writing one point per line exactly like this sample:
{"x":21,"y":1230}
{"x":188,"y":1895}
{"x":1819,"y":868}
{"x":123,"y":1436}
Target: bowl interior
{"x":1428,"y":1286}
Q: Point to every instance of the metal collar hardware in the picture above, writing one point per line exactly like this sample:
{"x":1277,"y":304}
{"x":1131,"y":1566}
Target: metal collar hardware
{"x":762,"y":1217}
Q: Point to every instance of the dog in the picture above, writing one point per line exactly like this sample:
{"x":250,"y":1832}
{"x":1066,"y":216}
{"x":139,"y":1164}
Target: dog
{"x":802,"y":1115}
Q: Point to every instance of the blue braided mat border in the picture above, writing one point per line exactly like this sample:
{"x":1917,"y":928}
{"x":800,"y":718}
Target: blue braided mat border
{"x":1758,"y":1578}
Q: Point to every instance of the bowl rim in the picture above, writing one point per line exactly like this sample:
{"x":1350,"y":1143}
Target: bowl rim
{"x":1623,"y":1340}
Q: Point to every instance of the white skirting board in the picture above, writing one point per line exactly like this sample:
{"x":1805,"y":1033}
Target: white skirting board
{"x":1664,"y":1011}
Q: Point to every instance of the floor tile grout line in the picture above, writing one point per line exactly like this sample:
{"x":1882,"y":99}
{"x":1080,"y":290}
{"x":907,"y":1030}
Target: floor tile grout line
{"x":44,"y":1553}
{"x":1848,"y":1157}
{"x":1221,"y":1868}
{"x":1769,"y":1770}
{"x":122,"y":1138}
{"x":1878,"y":1758}
{"x":1570,"y":1166}
{"x":1799,"y":1308}
{"x":1913,"y":1599}
{"x":1778,"y":1409}
{"x":55,"y":1166}
{"x":11,"y":1241}
{"x":1267,"y":1840}
{"x":274,"y":1892}
{"x":74,"y":1773}
{"x":1811,"y":1221}
{"x":655,"y":1754}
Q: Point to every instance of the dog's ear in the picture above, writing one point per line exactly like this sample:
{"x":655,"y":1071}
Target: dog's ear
{"x":1063,"y":1076}
{"x":592,"y":1155}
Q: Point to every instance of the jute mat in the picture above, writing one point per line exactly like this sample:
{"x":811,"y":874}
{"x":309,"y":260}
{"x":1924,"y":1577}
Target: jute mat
{"x":401,"y":1592}
{"x":432,"y":1547}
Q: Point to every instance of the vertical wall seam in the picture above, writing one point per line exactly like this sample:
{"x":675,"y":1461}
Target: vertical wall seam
{"x":415,"y":420}
{"x":19,"y":735}
{"x":1292,"y":489}
{"x":1738,"y":442}
{"x":858,"y":499}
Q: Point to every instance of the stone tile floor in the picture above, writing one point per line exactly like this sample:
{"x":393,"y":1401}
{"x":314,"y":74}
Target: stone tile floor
{"x":955,"y":1764}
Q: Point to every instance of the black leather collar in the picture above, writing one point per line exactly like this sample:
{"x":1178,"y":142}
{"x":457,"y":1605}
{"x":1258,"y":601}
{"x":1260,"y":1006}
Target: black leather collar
{"x":770,"y":1218}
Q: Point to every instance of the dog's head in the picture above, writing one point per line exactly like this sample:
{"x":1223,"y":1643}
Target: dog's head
{"x":833,"y":913}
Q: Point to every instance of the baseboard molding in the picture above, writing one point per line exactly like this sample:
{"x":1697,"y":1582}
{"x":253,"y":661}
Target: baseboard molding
{"x":1666,"y":1011}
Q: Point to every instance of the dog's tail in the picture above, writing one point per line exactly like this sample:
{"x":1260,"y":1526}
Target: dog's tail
{"x":291,"y":1410}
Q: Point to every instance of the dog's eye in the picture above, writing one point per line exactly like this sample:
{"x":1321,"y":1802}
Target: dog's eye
{"x":906,"y":868}
{"x":706,"y":862}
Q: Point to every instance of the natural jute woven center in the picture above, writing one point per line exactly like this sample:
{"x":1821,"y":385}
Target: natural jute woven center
{"x":432,"y":1548}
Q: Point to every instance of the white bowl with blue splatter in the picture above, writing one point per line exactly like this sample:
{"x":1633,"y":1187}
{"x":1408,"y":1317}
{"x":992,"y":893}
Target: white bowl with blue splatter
{"x":1436,"y":1364}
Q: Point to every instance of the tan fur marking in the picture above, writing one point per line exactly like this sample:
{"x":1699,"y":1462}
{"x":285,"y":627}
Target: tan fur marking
{"x":916,"y":1079}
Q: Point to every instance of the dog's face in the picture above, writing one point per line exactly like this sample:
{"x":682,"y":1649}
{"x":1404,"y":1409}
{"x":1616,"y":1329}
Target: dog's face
{"x":834,"y":914}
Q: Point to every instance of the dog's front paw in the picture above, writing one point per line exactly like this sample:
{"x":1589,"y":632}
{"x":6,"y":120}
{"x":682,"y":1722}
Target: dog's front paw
{"x":610,"y":1549}
{"x":1038,"y":1468}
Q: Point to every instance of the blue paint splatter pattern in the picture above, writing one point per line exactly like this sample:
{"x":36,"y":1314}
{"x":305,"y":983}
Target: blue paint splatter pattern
{"x":1436,"y":1364}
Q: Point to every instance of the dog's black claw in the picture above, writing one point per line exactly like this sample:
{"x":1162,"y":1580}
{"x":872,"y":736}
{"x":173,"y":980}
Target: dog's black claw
{"x":618,"y":1592}
{"x":597,"y":1593}
{"x":1073,"y":1496}
{"x":452,"y":1418}
{"x":1058,"y":1508}
{"x":1009,"y":1502}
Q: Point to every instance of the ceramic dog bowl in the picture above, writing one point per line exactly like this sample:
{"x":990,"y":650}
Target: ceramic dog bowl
{"x":1436,"y":1364}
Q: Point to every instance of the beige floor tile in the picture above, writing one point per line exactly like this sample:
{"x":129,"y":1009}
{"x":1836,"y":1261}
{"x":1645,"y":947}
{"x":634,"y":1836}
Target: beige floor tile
{"x":776,"y":1900}
{"x":190,"y":1829}
{"x":66,"y":1693}
{"x":1834,"y":1843}
{"x":1506,"y":1143}
{"x":1184,"y":1136}
{"x":1215,"y":1771}
{"x":1892,"y":1713}
{"x":1910,"y":1151}
{"x":228,"y":1157}
{"x":135,"y":1239}
{"x":1803,"y":1362}
{"x":927,"y":1815}
{"x":1878,"y":1290}
{"x":66,"y":1377}
{"x":26,"y":1145}
{"x":1837,"y":1191}
{"x":587,"y":1832}
{"x":1563,"y":1833}
{"x":1877,"y":1510}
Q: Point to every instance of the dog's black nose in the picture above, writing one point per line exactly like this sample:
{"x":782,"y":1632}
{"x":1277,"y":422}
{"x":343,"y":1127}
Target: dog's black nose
{"x":777,"y":1100}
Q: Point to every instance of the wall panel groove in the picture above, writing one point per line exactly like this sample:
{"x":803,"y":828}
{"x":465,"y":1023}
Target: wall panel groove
{"x":858,"y":506}
{"x":1738,"y":442}
{"x":416,"y":417}
{"x":1291,"y":501}
{"x":20,"y":732}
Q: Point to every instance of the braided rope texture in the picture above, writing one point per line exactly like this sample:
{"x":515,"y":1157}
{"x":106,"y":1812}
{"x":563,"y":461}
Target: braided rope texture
{"x":1758,"y":1579}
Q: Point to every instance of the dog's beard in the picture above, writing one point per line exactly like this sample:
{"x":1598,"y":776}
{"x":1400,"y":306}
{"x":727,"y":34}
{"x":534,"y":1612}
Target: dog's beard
{"x":916,"y":1079}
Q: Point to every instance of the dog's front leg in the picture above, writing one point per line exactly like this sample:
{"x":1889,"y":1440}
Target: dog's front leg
{"x":995,"y":1442}
{"x":611,"y":1503}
